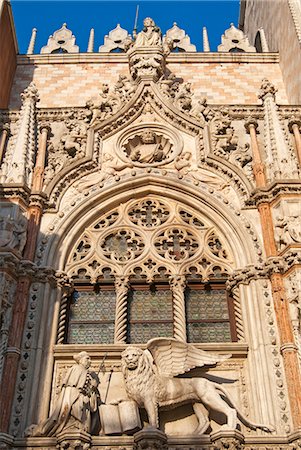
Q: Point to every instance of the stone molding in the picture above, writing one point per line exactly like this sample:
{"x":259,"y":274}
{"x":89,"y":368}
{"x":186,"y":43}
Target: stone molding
{"x":278,"y":264}
{"x":172,"y":58}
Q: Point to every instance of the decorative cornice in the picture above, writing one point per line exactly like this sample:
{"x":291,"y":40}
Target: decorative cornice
{"x":277,"y":264}
{"x":197,"y":57}
{"x":274,"y":190}
{"x":18,"y":190}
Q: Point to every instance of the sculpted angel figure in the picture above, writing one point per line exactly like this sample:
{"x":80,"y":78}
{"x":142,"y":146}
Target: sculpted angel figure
{"x":77,"y":401}
{"x":184,"y":165}
{"x":150,"y":35}
{"x":150,"y":380}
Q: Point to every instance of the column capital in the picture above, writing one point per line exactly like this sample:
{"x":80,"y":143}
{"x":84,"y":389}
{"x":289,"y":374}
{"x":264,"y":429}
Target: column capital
{"x":45,"y":126}
{"x":294,"y":121}
{"x":251,"y":122}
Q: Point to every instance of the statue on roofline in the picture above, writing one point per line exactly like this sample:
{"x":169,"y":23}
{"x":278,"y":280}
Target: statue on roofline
{"x":150,"y":36}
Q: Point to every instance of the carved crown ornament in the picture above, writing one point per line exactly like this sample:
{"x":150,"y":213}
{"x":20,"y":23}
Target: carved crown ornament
{"x":149,"y":239}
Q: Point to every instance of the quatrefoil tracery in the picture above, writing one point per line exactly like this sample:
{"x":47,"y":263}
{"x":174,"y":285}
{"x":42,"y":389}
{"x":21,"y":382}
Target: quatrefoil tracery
{"x":149,"y":238}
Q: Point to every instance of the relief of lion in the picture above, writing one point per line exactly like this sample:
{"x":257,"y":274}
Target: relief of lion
{"x":150,"y":381}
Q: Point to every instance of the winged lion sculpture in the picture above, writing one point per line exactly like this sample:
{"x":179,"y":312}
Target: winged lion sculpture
{"x":150,"y":380}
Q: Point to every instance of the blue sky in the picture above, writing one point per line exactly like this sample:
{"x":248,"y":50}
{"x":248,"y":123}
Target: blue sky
{"x":103,"y":16}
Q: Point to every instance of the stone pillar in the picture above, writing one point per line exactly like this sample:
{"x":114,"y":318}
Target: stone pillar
{"x":10,"y":369}
{"x":67,"y":289}
{"x":177,"y":285}
{"x":121,"y":287}
{"x":288,"y":347}
{"x":294,"y":127}
{"x":150,"y":439}
{"x":3,"y":140}
{"x":37,"y":182}
{"x":258,"y":167}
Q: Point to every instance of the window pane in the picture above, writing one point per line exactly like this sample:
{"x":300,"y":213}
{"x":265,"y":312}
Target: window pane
{"x":150,"y":314}
{"x":207,"y":315}
{"x":91,"y":317}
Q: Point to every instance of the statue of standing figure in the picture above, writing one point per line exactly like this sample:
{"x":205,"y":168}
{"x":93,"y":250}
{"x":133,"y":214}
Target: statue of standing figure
{"x":76,"y":403}
{"x":150,"y":36}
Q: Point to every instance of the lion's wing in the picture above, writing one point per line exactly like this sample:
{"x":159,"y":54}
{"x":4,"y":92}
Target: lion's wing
{"x":174,"y":357}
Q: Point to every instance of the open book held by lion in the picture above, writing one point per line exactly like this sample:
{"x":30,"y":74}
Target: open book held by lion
{"x":150,"y":381}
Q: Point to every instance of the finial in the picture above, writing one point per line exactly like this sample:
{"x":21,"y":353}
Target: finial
{"x":32,"y":41}
{"x":90,"y":48}
{"x":206,"y":46}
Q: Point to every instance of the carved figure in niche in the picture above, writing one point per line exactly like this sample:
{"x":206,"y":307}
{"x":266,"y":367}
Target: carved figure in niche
{"x":109,"y":169}
{"x":72,"y":140}
{"x":77,"y":401}
{"x":184,"y":165}
{"x":242,"y":157}
{"x":150,"y":381}
{"x":65,"y":147}
{"x":288,"y":230}
{"x":294,"y":297}
{"x":150,"y":36}
{"x":13,"y":232}
{"x":148,"y":148}
{"x":224,"y":138}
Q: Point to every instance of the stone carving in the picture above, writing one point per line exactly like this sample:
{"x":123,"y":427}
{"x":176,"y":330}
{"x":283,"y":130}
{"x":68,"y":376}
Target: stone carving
{"x":166,"y":238}
{"x":111,"y":166}
{"x":181,"y":40}
{"x":77,"y":401}
{"x":109,"y":101}
{"x":281,"y":161}
{"x":148,"y":148}
{"x":185,"y":166}
{"x":147,"y":52}
{"x":201,"y":111}
{"x":242,"y":157}
{"x":224,"y":139}
{"x":227,"y":444}
{"x":62,"y":41}
{"x":19,"y":159}
{"x":117,"y":39}
{"x":288,"y":230}
{"x":293,"y":286}
{"x":235,"y":40}
{"x":13,"y":232}
{"x":150,"y":36}
{"x":66,"y":147}
{"x":149,"y":380}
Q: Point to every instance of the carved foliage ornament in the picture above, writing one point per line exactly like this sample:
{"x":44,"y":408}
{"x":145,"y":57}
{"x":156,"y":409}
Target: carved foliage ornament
{"x":149,"y":238}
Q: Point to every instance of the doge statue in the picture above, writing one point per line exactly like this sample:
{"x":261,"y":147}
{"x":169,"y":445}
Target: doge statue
{"x":150,"y":380}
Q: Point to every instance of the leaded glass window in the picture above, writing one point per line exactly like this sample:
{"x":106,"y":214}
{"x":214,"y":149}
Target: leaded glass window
{"x":92,"y":316}
{"x":209,"y":313}
{"x":150,"y":313}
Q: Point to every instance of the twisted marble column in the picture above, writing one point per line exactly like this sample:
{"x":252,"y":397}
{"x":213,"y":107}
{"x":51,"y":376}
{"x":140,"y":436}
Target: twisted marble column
{"x":177,"y":285}
{"x":121,"y":287}
{"x":62,"y":319}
